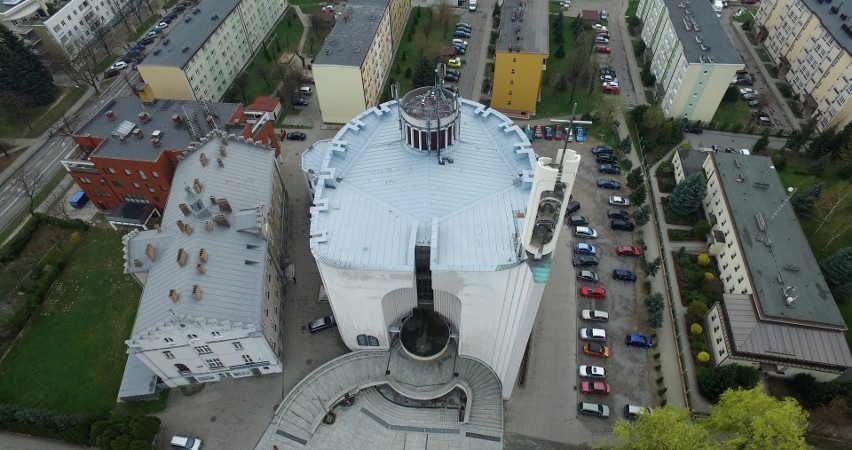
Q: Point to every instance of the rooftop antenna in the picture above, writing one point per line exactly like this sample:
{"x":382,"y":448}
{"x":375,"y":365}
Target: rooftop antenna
{"x":791,"y":190}
{"x":395,"y":94}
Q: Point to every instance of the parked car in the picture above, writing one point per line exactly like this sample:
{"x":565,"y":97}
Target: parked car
{"x":611,"y":84}
{"x":591,"y":292}
{"x":596,"y":349}
{"x":453,"y":72}
{"x":594,"y":387}
{"x":296,"y":136}
{"x":744,"y":91}
{"x":753,"y":103}
{"x":587,"y":275}
{"x":459,"y":50}
{"x":637,"y":340}
{"x":592,"y":372}
{"x":582,"y":248}
{"x":601,"y":40}
{"x":321,"y":324}
{"x":615,"y":213}
{"x":163,"y":24}
{"x":578,"y":221}
{"x":146,"y":41}
{"x":695,"y":129}
{"x":537,"y":132}
{"x":594,"y":315}
{"x":764,"y":121}
{"x":455,"y":62}
{"x":607,"y":158}
{"x":743,"y":81}
{"x":570,"y":137}
{"x":593,"y":409}
{"x":179,"y":442}
{"x":610,"y":169}
{"x":599,"y":27}
{"x":459,"y":41}
{"x":170,"y":16}
{"x":461,"y":34}
{"x":606,"y":183}
{"x":618,"y":201}
{"x":592,"y":334}
{"x":584,"y":261}
{"x":109,"y":73}
{"x":601,"y":149}
{"x":581,"y":134}
{"x":451,"y":77}
{"x":602,"y":49}
{"x":628,"y":250}
{"x":300,"y":102}
{"x":572,"y":207}
{"x":558,"y":133}
{"x":585,"y":232}
{"x":749,"y":97}
{"x":463,"y":24}
{"x":548,"y":133}
{"x":623,"y":275}
{"x":119,"y":65}
{"x":631,"y":412}
{"x":621,"y":225}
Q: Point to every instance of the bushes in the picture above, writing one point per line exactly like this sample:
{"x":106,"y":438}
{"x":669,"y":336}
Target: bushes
{"x":16,"y":245}
{"x":45,"y":423}
{"x":655,"y":306}
{"x":713,"y":381}
{"x":696,"y":329}
{"x":125,"y":432}
{"x":820,"y":394}
{"x":696,"y":311}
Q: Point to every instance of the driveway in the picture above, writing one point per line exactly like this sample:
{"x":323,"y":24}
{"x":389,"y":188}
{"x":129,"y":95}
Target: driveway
{"x":477,"y":49}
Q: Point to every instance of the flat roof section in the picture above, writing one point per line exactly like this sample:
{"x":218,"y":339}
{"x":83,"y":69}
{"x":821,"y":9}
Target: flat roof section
{"x":205,"y":18}
{"x":353,"y":33}
{"x":779,"y":258}
{"x":524,"y":27}
{"x":833,"y":16}
{"x":700,"y":33}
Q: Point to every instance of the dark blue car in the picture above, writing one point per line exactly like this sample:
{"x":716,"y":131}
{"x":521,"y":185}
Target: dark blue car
{"x":637,"y":340}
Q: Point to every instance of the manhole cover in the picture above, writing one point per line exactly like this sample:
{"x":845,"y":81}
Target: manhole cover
{"x":308,"y":362}
{"x":212,"y":418}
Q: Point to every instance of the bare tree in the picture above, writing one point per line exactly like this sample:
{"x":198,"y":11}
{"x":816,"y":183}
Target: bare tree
{"x":609,"y":110}
{"x":27,"y":184}
{"x":445,"y":14}
{"x":241,"y":83}
{"x":321,"y":21}
{"x":83,"y":68}
{"x":266,"y":72}
{"x":66,"y":125}
{"x":291,"y":75}
{"x":831,"y":205}
{"x":578,"y":70}
{"x":122,"y":11}
{"x":100,"y":33}
{"x":838,"y":231}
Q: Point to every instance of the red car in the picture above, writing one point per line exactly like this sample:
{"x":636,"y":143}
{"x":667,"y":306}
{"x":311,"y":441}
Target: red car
{"x":538,"y":132}
{"x":558,"y":135}
{"x":586,"y":291}
{"x":628,"y":250}
{"x":602,"y":49}
{"x":594,"y":387}
{"x":596,"y":349}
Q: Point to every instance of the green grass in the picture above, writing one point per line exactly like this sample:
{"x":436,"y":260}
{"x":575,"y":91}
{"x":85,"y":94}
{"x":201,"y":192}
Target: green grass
{"x":733,"y":112}
{"x":16,"y":126}
{"x":744,"y":16}
{"x":145,"y":27}
{"x":284,"y":38}
{"x":555,"y":103}
{"x":632,"y":7}
{"x":72,"y":356}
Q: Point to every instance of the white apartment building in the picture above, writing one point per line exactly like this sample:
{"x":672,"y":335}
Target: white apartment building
{"x":690,"y":55}
{"x":212,"y":276}
{"x":207,"y":47}
{"x":777,"y":313}
{"x":810,"y":41}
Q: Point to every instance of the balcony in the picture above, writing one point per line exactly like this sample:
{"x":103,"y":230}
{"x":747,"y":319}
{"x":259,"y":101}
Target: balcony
{"x":82,"y":166}
{"x":716,"y":244}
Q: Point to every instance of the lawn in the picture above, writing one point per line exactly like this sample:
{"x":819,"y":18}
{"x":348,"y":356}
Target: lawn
{"x":308,"y":6}
{"x":261,"y":74}
{"x":732,"y":113}
{"x":72,"y":357}
{"x":15,"y":127}
{"x":632,"y":7}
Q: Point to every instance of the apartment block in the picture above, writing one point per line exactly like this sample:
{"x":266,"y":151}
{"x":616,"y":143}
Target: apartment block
{"x":810,"y":42}
{"x":521,"y":57}
{"x":207,"y":47}
{"x":212,"y":273}
{"x":776,"y":314}
{"x":354,"y":62}
{"x":126,"y":155}
{"x":690,"y":54}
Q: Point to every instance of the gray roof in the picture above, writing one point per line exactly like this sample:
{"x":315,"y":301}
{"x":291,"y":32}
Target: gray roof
{"x":235,"y":271}
{"x":349,"y":40}
{"x":531,"y":24}
{"x":388,"y":195}
{"x":713,"y":37}
{"x":191,"y":34}
{"x":692,"y":161}
{"x":783,"y":341}
{"x":175,"y":136}
{"x":833,"y":23}
{"x":752,"y":188}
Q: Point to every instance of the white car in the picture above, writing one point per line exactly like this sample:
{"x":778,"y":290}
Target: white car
{"x":594,"y":315}
{"x":592,"y":372}
{"x":120,"y":65}
{"x":744,"y":91}
{"x":613,"y":84}
{"x":599,"y":27}
{"x":618,"y":201}
{"x":185,"y":443}
{"x":585,"y":232}
{"x":460,"y":42}
{"x":162,"y":25}
{"x":592,"y":334}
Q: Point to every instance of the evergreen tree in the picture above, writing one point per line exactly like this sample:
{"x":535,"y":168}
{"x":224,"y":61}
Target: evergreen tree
{"x":639,"y":195}
{"x":642,"y":215}
{"x":805,"y":201}
{"x":837,"y":268}
{"x":22,"y":72}
{"x":635,"y":178}
{"x":560,"y":52}
{"x":687,"y":196}
{"x":424,"y":73}
{"x":817,"y":168}
{"x":577,"y":25}
{"x":762,"y":143}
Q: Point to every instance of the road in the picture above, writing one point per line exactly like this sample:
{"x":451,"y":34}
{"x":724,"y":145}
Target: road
{"x":45,"y":161}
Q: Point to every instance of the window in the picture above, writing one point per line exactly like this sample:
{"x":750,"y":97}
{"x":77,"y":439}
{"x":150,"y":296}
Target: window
{"x":374,"y":342}
{"x":118,"y":184}
{"x":109,"y":170}
{"x":362,"y":340}
{"x":237,"y":345}
{"x":155,"y":175}
{"x":142,"y":175}
{"x":192,"y":337}
{"x":127,"y":171}
{"x":168,"y":340}
{"x":247,"y":359}
{"x":721,"y":352}
{"x":150,"y":188}
{"x":203,"y":349}
{"x":214,"y":363}
{"x":513,"y":70}
{"x":136,"y":185}
{"x":169,"y":355}
{"x":718,"y":340}
{"x":215,"y":334}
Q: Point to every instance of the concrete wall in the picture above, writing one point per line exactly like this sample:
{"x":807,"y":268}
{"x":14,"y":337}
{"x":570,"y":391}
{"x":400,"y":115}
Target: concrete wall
{"x":340,"y":92}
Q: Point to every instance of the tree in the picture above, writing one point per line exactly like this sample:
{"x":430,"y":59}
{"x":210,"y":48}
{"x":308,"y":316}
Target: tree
{"x":667,"y":427}
{"x":805,"y":201}
{"x":558,"y":32}
{"x":653,"y":117}
{"x":424,"y":73}
{"x":655,"y":305}
{"x":837,"y":270}
{"x":642,"y":215}
{"x":795,"y":140}
{"x":27,"y":184}
{"x":762,"y":144}
{"x":241,"y":83}
{"x":626,"y":145}
{"x":579,"y":68}
{"x":639,"y":195}
{"x":290,"y":72}
{"x":713,"y":381}
{"x":817,"y":168}
{"x":749,"y":419}
{"x":21,"y":71}
{"x":635,"y":178}
{"x":83,"y":68}
{"x":560,"y":52}
{"x":696,"y":311}
{"x":577,"y":25}
{"x":445,"y":14}
{"x":703,"y":357}
{"x":687,"y":195}
{"x":608,"y":111}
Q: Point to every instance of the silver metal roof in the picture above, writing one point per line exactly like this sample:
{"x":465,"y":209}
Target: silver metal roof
{"x":780,"y":255}
{"x":235,"y":271}
{"x":389,"y":198}
{"x":350,"y":38}
{"x":779,"y":340}
{"x":704,"y":36}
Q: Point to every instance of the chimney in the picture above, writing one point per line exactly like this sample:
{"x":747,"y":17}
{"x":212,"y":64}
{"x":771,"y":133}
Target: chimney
{"x":196,"y":186}
{"x":137,"y":263}
{"x":200,"y":268}
{"x":144,"y":117}
{"x":221,"y":220}
{"x":173,"y":294}
{"x":110,"y":115}
{"x":159,"y":228}
{"x":181,"y":257}
{"x":149,"y":252}
{"x":187,"y":228}
{"x":121,"y":139}
{"x":196,"y":292}
{"x":176,"y":119}
{"x":210,"y":120}
{"x":222,"y":150}
{"x":212,"y":199}
{"x":220,"y":162}
{"x":138,"y":133}
{"x":185,"y":209}
{"x":209,"y":225}
{"x":223,"y":204}
{"x":203,"y":255}
{"x":203,"y":159}
{"x":155,"y":142}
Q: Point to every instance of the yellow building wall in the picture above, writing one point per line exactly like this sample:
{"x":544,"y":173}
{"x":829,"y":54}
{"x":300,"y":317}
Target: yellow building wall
{"x":340,"y":92}
{"x":166,"y":82}
{"x":830,"y":77}
{"x":517,"y":81}
{"x":808,"y":30}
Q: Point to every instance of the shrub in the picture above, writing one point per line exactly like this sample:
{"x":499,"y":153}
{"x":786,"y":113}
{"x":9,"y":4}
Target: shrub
{"x":845,"y":172}
{"x":708,"y":277}
{"x":696,"y":310}
{"x":780,"y":162}
{"x":660,"y":380}
{"x":696,"y":329}
{"x":15,"y":246}
{"x":713,"y":381}
{"x":703,"y":357}
{"x":703,"y":259}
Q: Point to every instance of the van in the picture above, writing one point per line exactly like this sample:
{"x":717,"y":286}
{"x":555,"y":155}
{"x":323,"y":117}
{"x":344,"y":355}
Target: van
{"x":79,"y":200}
{"x":185,"y":443}
{"x":306,"y":90}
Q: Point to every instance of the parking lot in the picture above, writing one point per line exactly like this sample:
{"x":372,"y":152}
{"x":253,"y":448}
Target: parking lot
{"x":556,"y":352}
